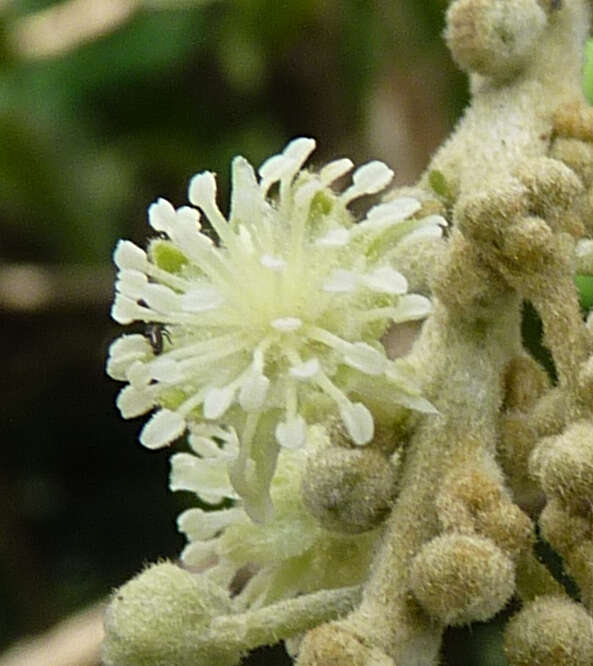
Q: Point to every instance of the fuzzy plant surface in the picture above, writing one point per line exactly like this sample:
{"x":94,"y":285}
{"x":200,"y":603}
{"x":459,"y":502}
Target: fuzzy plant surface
{"x":361,"y":504}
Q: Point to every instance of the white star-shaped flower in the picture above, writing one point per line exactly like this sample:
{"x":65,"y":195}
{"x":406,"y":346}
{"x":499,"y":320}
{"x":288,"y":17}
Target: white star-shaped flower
{"x":282,"y":311}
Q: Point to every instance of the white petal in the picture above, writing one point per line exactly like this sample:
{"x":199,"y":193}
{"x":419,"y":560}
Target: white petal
{"x":163,"y":428}
{"x":274,"y":263}
{"x":161,"y":298}
{"x":125,"y":310}
{"x":123,"y":352}
{"x":195,"y":245}
{"x":334,"y":170}
{"x":217,"y":401}
{"x":161,"y":216}
{"x":132,"y":403}
{"x":200,"y":525}
{"x":131,"y":283}
{"x":253,"y":392}
{"x":246,"y":198}
{"x":372,"y":177}
{"x":202,"y":190}
{"x":340,"y":280}
{"x":201,"y":299}
{"x":287,"y":324}
{"x":205,"y":477}
{"x":139,"y":375}
{"x":274,"y":169}
{"x":188,"y":215}
{"x":299,"y":149}
{"x":292,"y":434}
{"x":305,"y":370}
{"x":127,"y":345}
{"x":334,"y":238}
{"x":205,"y":447}
{"x":425,"y":232}
{"x":368,"y":179}
{"x":358,"y":422}
{"x":166,"y":370}
{"x":394,"y":211}
{"x":286,"y":165}
{"x":385,"y":280}
{"x":305,"y":193}
{"x":365,"y":358}
{"x":200,"y":554}
{"x":411,"y":307}
{"x":128,"y":255}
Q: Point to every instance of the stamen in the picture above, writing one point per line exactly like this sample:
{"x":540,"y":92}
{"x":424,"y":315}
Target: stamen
{"x":367,"y":179}
{"x":129,"y":255}
{"x":164,"y":427}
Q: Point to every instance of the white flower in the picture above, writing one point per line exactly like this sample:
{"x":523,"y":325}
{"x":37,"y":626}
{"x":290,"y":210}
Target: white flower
{"x":290,"y":554}
{"x":205,"y":471}
{"x":281,"y":314}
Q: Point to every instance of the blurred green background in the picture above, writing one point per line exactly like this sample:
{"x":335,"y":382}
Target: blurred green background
{"x":104,"y":106}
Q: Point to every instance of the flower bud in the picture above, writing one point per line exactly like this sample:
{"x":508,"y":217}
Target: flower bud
{"x":564,"y":465}
{"x":331,"y":645}
{"x":562,"y":529}
{"x":485,"y":37}
{"x":162,"y":616}
{"x":348,"y":490}
{"x":459,"y":579}
{"x":550,"y":631}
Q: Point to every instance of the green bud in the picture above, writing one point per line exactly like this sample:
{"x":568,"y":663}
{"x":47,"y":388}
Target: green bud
{"x":162,"y":618}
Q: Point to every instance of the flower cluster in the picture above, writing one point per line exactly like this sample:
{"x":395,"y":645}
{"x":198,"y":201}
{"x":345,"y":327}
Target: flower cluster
{"x":274,"y":325}
{"x":289,"y":555}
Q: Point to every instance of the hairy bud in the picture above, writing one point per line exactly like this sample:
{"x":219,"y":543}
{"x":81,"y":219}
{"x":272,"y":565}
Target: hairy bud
{"x":161,"y":617}
{"x":486,"y":37}
{"x":462,"y":578}
{"x":331,"y":645}
{"x":348,"y":490}
{"x":564,"y":464}
{"x":564,"y":530}
{"x":550,"y":631}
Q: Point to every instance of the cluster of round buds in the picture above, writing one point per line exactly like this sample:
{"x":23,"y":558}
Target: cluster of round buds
{"x":270,"y":327}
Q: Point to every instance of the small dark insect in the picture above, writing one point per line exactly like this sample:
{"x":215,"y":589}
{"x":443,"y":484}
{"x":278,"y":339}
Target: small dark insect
{"x":155,"y":333}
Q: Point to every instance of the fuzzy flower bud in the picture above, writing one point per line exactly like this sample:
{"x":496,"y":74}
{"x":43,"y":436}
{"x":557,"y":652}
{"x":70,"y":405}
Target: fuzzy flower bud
{"x":459,"y":579}
{"x":486,"y":37}
{"x":550,"y":631}
{"x":162,"y":616}
{"x":348,"y":490}
{"x":564,"y":464}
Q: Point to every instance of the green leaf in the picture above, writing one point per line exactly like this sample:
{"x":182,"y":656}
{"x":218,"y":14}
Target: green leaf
{"x":588,"y":72}
{"x":584,"y":284}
